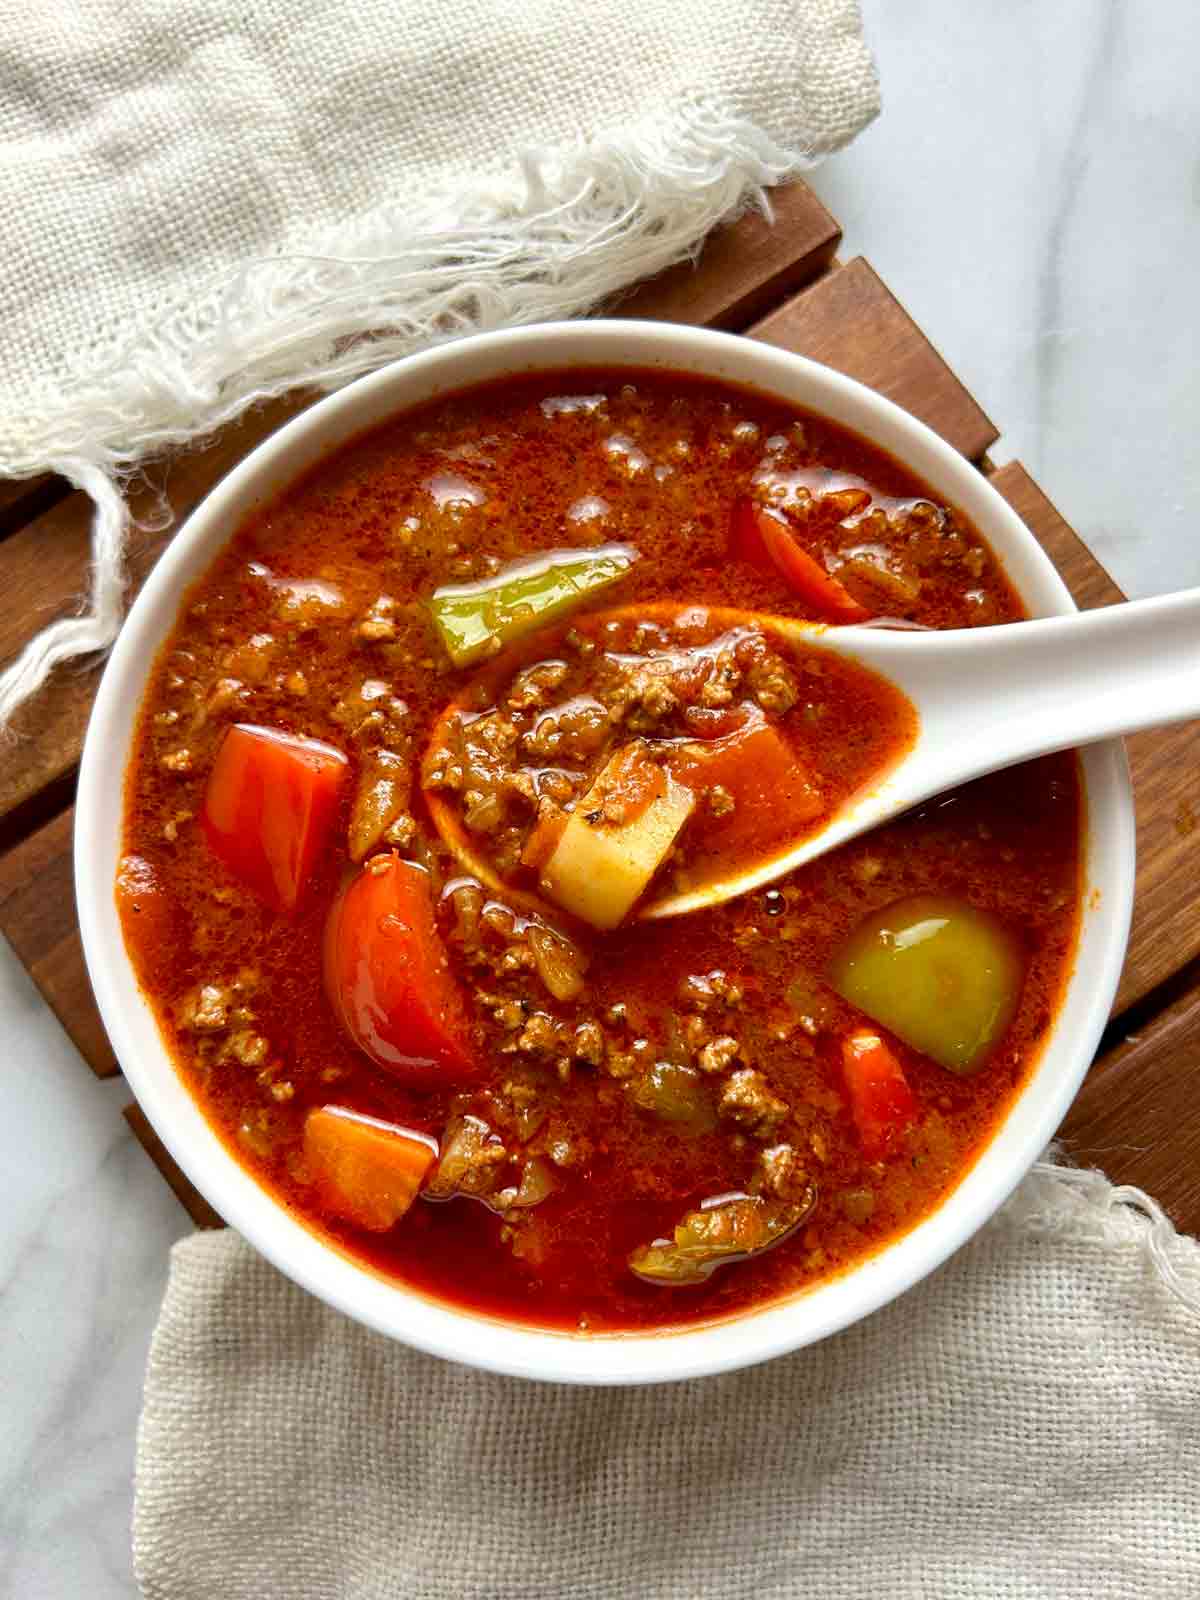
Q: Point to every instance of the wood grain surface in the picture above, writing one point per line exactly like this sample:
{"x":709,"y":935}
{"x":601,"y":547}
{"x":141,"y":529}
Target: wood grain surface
{"x":24,"y":498}
{"x":13,"y":490}
{"x":744,"y":270}
{"x":1135,"y":1116}
{"x":37,"y":916}
{"x":850,"y":320}
{"x":1165,"y":767}
{"x":189,"y":1197}
{"x":779,"y":284}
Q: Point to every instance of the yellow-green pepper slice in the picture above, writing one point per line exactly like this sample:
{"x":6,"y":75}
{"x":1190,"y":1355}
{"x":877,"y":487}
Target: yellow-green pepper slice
{"x":940,"y":973}
{"x":477,"y":620}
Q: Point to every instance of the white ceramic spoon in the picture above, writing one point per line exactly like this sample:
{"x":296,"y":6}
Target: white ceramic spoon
{"x":985,"y":698}
{"x":988,"y":698}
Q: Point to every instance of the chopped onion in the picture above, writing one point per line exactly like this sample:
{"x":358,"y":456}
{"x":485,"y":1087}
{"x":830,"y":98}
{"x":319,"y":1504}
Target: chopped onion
{"x":537,"y":1183}
{"x":559,"y":963}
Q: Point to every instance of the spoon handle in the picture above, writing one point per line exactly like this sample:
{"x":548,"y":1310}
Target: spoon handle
{"x":990,"y":697}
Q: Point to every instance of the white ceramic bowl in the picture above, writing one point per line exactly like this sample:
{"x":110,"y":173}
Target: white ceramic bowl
{"x":433,"y":1326}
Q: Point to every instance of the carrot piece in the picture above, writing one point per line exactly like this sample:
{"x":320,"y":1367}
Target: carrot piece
{"x":543,"y":837}
{"x":763,"y":775}
{"x":764,"y":539}
{"x":366,"y":1172}
{"x":882,"y":1104}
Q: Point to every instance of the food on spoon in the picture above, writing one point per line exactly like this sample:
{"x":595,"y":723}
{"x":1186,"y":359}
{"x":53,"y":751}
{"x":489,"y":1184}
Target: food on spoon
{"x":472,"y":1091}
{"x":763,"y":781}
{"x":938,"y":972}
{"x":642,"y":738}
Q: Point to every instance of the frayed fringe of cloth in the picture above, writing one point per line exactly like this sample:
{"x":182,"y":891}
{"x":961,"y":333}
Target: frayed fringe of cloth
{"x":1056,"y":1198}
{"x":568,"y":234}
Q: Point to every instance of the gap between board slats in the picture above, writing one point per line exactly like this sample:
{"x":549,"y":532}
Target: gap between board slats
{"x":23,"y":499}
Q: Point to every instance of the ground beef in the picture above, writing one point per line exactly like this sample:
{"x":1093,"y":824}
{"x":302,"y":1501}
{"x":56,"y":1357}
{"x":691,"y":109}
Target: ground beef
{"x":748,"y":1101}
{"x":719,"y":1054}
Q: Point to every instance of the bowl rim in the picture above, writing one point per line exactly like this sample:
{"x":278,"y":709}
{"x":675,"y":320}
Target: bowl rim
{"x":434,"y":1326}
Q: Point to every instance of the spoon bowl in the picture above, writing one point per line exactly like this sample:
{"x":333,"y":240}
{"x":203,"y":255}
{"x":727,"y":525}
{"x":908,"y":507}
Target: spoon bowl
{"x":985,"y":698}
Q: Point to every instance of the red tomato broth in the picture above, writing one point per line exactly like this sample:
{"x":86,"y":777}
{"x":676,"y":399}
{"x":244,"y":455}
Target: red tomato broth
{"x":1009,"y":844}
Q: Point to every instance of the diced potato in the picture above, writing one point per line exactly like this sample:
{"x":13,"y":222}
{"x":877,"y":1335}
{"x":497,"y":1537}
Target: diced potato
{"x":942,"y":975}
{"x":367,"y":1172}
{"x":599,"y":868}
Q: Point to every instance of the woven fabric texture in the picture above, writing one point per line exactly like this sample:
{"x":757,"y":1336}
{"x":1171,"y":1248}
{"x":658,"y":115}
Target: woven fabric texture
{"x":206,"y":205}
{"x":1021,"y":1426}
{"x":150,"y":148}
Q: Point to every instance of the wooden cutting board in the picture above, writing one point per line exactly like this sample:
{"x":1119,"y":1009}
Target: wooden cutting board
{"x":781,"y":282}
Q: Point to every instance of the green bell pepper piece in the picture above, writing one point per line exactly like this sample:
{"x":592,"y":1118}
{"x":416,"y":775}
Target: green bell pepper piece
{"x":942,"y":974}
{"x":477,"y":620}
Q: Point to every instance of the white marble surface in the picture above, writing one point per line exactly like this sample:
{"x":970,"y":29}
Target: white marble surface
{"x":1032,"y":194}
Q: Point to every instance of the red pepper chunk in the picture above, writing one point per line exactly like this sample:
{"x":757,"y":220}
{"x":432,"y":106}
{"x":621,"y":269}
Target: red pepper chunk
{"x":882,"y":1104}
{"x":270,"y":803}
{"x":389,"y":980}
{"x":762,"y":538}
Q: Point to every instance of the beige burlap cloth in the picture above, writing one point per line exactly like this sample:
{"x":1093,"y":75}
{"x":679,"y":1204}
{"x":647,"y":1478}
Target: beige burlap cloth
{"x":206,"y":203}
{"x":1026,"y":1423}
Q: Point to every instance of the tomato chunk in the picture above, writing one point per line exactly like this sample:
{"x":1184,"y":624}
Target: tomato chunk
{"x":882,"y":1104}
{"x":388,"y":978}
{"x":270,"y":803}
{"x":366,"y":1171}
{"x":761,"y":537}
